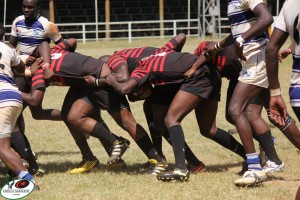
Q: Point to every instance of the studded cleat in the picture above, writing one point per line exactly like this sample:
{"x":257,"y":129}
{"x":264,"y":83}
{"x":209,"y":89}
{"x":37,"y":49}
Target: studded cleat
{"x":85,"y":166}
{"x":118,"y":149}
{"x":176,"y":174}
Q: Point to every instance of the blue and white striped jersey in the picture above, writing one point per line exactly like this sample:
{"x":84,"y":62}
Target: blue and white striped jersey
{"x":9,"y":93}
{"x":30,"y":35}
{"x":241,"y":18}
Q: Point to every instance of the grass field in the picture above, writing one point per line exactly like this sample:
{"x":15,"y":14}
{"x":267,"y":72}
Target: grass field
{"x":57,"y":153}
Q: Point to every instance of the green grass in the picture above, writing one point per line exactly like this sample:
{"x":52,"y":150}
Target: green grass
{"x":58,"y":153}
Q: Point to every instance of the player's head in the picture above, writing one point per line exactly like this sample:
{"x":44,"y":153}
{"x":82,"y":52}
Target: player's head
{"x":104,"y":58}
{"x":2,"y":32}
{"x":200,"y":48}
{"x":31,"y":9}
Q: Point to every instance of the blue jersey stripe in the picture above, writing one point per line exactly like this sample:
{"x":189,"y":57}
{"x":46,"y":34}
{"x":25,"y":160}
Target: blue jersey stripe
{"x":294,"y":93}
{"x":6,"y":79}
{"x":10,"y":96}
{"x":241,"y":17}
{"x":296,"y":64}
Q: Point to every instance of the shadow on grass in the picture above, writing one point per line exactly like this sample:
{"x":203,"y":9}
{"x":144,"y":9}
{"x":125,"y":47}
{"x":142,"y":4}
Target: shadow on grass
{"x":222,"y":168}
{"x":49,"y":153}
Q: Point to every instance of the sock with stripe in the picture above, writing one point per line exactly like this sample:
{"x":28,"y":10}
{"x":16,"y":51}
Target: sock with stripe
{"x":253,"y":162}
{"x":25,"y":175}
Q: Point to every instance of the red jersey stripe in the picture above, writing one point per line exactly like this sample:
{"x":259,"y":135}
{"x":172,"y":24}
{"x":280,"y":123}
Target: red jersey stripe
{"x":37,"y":82}
{"x":59,"y":61}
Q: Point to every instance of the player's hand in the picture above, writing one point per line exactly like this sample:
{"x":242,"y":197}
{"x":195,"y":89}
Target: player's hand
{"x":48,"y":73}
{"x":111,"y":79}
{"x":283,"y":54}
{"x":209,"y":48}
{"x":239,"y":51}
{"x":278,"y":111}
{"x":38,"y":63}
{"x":90,"y":80}
{"x":189,"y":73}
{"x":30,"y":60}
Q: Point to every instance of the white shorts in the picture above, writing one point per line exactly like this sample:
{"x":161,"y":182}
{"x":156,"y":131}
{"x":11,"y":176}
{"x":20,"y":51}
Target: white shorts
{"x":8,"y":116}
{"x":254,"y":70}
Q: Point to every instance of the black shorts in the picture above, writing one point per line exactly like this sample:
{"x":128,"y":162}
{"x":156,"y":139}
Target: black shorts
{"x":164,"y":94}
{"x":205,"y":83}
{"x":107,"y":99}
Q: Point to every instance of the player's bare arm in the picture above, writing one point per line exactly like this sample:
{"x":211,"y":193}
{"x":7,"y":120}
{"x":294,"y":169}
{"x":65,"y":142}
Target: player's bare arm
{"x":203,"y":58}
{"x":33,"y":98}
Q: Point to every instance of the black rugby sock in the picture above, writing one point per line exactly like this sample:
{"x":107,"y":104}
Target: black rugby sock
{"x":229,"y":142}
{"x":106,"y":144}
{"x":177,"y":140}
{"x":146,"y":146}
{"x":266,"y":142}
{"x":155,"y":135}
{"x":189,"y":155}
{"x":85,"y":149}
{"x":21,"y":145}
{"x":156,"y":139}
{"x":99,"y":131}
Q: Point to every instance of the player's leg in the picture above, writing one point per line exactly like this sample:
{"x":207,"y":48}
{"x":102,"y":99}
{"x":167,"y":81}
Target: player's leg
{"x":290,"y":129}
{"x":8,"y":120}
{"x":182,"y":104}
{"x":205,"y":112}
{"x":155,"y":135}
{"x":38,"y":113}
{"x":107,"y":146}
{"x":89,"y":161}
{"x":21,"y":145}
{"x":125,"y":120}
{"x":160,"y":111}
{"x":79,"y":118}
{"x":262,"y":133}
{"x":242,"y":95}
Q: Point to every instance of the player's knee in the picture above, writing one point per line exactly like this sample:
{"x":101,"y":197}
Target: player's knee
{"x":167,"y":121}
{"x":234,"y":112}
{"x":208,"y":132}
{"x":73,"y":119}
{"x":170,"y":121}
{"x":252,"y":116}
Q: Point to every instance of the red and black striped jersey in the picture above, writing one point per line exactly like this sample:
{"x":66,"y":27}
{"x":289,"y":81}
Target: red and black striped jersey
{"x":37,"y":80}
{"x":225,"y":60}
{"x":162,"y":68}
{"x":27,"y":85}
{"x":70,"y":67}
{"x":130,"y":57}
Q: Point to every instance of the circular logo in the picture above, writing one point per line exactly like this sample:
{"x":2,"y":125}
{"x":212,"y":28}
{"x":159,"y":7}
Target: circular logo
{"x":22,"y":184}
{"x":17,"y":189}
